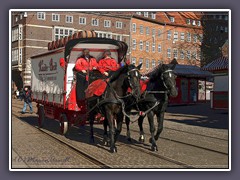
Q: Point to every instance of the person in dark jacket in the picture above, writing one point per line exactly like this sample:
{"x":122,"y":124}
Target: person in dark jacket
{"x":26,"y":96}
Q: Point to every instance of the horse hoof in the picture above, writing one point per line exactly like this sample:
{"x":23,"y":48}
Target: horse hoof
{"x":154,"y":148}
{"x":113,"y":150}
{"x":141,"y":139}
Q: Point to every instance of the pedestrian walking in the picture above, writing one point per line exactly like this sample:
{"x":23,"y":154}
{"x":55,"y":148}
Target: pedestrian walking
{"x":26,"y":96}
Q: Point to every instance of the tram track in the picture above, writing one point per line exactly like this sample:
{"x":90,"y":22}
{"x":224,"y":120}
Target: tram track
{"x":81,"y":153}
{"x":180,"y":142}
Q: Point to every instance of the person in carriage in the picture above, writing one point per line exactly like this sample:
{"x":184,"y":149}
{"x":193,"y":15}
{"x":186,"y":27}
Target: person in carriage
{"x":84,"y":65}
{"x":107,"y":64}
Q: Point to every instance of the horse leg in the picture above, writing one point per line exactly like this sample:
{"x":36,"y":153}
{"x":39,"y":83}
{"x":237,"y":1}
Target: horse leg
{"x":91,"y":122}
{"x":119,"y":125}
{"x":140,"y":125}
{"x":160,"y":119}
{"x":105,"y":135}
{"x":152,"y":131}
{"x":128,"y":130}
{"x":110,"y":118}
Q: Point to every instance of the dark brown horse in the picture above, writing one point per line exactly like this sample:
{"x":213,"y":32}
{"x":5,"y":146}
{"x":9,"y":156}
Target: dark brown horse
{"x":111,"y":104}
{"x":154,"y":101}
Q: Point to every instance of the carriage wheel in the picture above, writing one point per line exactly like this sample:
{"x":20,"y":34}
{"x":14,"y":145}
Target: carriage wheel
{"x":63,"y":124}
{"x":41,"y":116}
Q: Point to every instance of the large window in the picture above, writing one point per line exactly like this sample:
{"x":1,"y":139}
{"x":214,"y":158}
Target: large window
{"x":119,"y":25}
{"x":169,"y":34}
{"x":153,"y":15}
{"x":169,"y":52}
{"x":153,"y":47}
{"x":55,"y":17}
{"x":153,"y":63}
{"x":141,"y":45}
{"x":14,"y":55}
{"x":82,"y":20}
{"x":134,"y":43}
{"x":69,"y":19}
{"x":145,"y":14}
{"x":181,"y":54}
{"x":102,"y":34}
{"x":188,"y":54}
{"x":159,"y":48}
{"x":194,"y":38}
{"x":153,"y":32}
{"x":175,"y":53}
{"x":147,"y":63}
{"x":182,"y":36}
{"x":147,"y":30}
{"x":107,"y":23}
{"x":15,"y":34}
{"x":41,"y":15}
{"x":62,"y":32}
{"x":147,"y":46}
{"x":134,"y":27}
{"x":141,"y":61}
{"x":188,"y":37}
{"x":175,"y":36}
{"x":171,"y":19}
{"x":95,"y":22}
{"x":141,"y":29}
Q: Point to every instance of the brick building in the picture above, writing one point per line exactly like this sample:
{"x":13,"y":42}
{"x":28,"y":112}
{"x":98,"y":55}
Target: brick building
{"x":154,"y":37}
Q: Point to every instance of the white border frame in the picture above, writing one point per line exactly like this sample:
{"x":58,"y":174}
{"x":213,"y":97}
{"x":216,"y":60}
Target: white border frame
{"x":134,"y":10}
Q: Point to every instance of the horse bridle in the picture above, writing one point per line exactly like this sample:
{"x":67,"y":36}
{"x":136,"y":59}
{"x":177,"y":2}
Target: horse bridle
{"x":167,"y":71}
{"x":130,"y":83}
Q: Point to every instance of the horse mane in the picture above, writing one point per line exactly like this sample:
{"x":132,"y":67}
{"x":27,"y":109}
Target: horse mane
{"x":117,"y":73}
{"x":155,"y":73}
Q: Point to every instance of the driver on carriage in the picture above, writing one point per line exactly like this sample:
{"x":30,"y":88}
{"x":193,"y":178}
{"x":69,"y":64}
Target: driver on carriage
{"x":83,"y":66}
{"x":107,"y":64}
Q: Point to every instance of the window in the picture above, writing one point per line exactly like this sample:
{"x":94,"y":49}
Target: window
{"x":20,"y":55}
{"x":193,"y":22}
{"x":21,"y":16}
{"x":226,"y":29}
{"x":199,"y":23}
{"x":133,"y":60}
{"x":55,"y":17}
{"x":169,"y":52}
{"x":147,"y":63}
{"x":119,"y":37}
{"x":153,"y":63}
{"x":171,"y":19}
{"x":194,"y":55}
{"x":181,"y":54}
{"x":169,"y":34}
{"x":220,"y":16}
{"x":159,"y":48}
{"x":175,"y":36}
{"x":153,"y":15}
{"x":107,"y":23}
{"x":82,"y":20}
{"x":195,"y":38}
{"x":95,"y":22}
{"x":41,"y":15}
{"x":14,"y":55}
{"x":141,"y":29}
{"x":134,"y":43}
{"x":108,"y":35}
{"x":182,"y":36}
{"x":69,"y":19}
{"x":15,"y":34}
{"x":20,"y":34}
{"x":145,"y":14}
{"x":16,"y":18}
{"x":159,"y":33}
{"x":188,"y":37}
{"x":175,"y":53}
{"x":138,"y":13}
{"x":62,"y":32}
{"x":153,"y":32}
{"x":119,"y":25}
{"x":226,"y":17}
{"x":134,"y":27}
{"x":141,"y":45}
{"x":147,"y":46}
{"x":188,"y":21}
{"x":140,"y":62}
{"x":153,"y":47}
{"x":147,"y":30}
{"x":188,"y":54}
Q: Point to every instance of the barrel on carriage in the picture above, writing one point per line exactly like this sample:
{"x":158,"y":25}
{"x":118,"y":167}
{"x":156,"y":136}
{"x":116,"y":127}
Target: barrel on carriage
{"x":54,"y":81}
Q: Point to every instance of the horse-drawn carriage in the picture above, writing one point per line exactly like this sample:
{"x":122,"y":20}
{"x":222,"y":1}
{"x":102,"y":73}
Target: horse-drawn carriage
{"x":54,"y":87}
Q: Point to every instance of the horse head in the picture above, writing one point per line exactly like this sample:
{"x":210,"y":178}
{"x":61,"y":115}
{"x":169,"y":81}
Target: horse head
{"x":169,"y":79}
